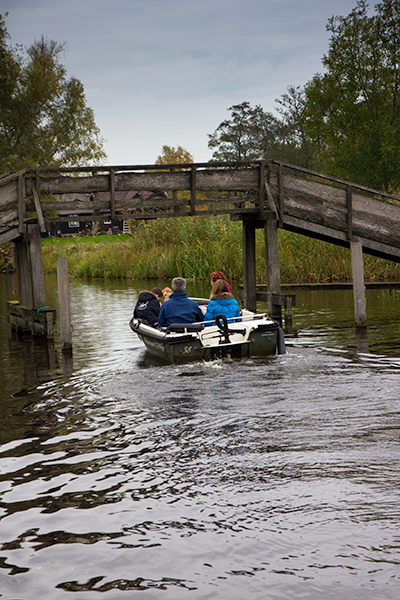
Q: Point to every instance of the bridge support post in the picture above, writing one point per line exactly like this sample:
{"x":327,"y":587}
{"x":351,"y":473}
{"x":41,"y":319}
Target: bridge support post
{"x":273,"y":271}
{"x":23,"y":273}
{"x":357,"y":267}
{"x":249,"y":265}
{"x":30,"y":314}
{"x":65,"y":308}
{"x":37,"y":275}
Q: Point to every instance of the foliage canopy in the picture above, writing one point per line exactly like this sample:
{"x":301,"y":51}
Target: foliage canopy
{"x":174,"y":156}
{"x":44,"y":120}
{"x":353,"y":111}
{"x":253,"y":134}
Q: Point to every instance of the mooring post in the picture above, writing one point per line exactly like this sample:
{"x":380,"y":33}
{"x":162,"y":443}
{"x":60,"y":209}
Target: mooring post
{"x":273,"y":271}
{"x":65,"y":310}
{"x":357,"y":268}
{"x":37,"y":275}
{"x":249,"y":265}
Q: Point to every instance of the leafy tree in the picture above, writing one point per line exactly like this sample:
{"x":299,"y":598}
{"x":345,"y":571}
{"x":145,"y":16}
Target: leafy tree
{"x":253,"y":134}
{"x":173,"y":156}
{"x":250,"y":134}
{"x":44,"y":120}
{"x":297,"y":147}
{"x":353,"y":112}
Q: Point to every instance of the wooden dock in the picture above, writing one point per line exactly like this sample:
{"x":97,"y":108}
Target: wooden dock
{"x":270,"y":195}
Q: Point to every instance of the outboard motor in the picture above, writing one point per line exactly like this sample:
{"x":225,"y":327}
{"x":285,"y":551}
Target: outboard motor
{"x":222,"y":324}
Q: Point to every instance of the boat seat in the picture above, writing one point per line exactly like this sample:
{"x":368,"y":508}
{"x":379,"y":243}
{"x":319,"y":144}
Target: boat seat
{"x":185,"y":327}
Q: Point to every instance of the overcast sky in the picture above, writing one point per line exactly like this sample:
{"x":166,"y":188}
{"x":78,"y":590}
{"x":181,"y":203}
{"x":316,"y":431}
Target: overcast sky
{"x":165,"y":71}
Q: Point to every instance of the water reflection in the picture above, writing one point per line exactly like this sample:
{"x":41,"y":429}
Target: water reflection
{"x":68,"y":364}
{"x":37,"y":359}
{"x":362,"y":340}
{"x":230,"y":479}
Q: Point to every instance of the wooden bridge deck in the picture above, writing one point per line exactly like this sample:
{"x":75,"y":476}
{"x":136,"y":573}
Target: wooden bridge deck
{"x":297,"y":199}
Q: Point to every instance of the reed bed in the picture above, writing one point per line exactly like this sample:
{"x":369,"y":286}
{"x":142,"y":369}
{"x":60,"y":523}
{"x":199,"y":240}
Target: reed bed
{"x":193,"y":247}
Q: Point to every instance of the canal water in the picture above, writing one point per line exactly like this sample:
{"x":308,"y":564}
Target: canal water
{"x":273,"y":478}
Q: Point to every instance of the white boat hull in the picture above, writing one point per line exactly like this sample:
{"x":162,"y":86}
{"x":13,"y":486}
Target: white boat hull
{"x":252,"y":335}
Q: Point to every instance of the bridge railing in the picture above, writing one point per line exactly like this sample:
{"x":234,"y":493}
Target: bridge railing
{"x":43,"y":195}
{"x":334,"y":209}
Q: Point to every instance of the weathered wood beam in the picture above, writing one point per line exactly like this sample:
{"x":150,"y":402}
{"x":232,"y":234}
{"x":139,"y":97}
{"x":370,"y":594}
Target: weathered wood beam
{"x":313,"y":175}
{"x":261,"y":188}
{"x":249,"y":265}
{"x":193,"y":176}
{"x":112,"y":193}
{"x":234,"y":212}
{"x":271,"y":202}
{"x":216,"y":180}
{"x":273,"y":270}
{"x":8,"y":216}
{"x":38,"y":209}
{"x":357,"y":267}
{"x":36,"y":265}
{"x":335,"y":236}
{"x":8,"y":193}
{"x":9,"y":235}
{"x":65,"y":309}
{"x":23,"y":272}
{"x":76,"y":206}
{"x":37,"y":322}
{"x":21,"y":204}
{"x":281,"y":200}
{"x":349,"y":198}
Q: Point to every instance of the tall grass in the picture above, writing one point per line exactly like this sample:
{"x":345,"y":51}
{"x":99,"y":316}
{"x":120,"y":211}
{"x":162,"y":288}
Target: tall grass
{"x":193,"y":247}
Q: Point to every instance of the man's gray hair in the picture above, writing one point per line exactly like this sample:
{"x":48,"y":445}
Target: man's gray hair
{"x":178,"y":284}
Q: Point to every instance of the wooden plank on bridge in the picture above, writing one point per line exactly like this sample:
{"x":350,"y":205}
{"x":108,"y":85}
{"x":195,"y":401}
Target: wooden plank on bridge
{"x":8,"y":194}
{"x":6,"y":217}
{"x":9,"y":235}
{"x":206,"y":180}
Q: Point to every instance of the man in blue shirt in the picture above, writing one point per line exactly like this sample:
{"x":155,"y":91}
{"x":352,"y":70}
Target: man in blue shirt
{"x":179,"y":308}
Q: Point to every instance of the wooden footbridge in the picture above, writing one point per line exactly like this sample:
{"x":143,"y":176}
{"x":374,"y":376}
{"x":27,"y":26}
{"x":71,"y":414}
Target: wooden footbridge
{"x":270,"y":195}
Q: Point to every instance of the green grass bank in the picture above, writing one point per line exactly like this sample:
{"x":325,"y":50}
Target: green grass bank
{"x":193,"y":247}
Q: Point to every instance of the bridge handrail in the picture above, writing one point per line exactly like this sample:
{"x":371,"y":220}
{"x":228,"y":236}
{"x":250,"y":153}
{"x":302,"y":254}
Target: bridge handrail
{"x":6,"y":178}
{"x":354,"y":186}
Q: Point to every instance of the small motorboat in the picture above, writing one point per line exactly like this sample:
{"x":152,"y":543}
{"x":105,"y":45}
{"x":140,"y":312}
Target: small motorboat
{"x":250,"y":335}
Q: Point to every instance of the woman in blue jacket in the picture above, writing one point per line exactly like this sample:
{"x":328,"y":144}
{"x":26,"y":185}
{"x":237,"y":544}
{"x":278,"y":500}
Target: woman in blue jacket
{"x":221,"y":303}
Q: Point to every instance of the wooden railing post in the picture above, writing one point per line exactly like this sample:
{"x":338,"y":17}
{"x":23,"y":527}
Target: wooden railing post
{"x":281,"y":207}
{"x":112,"y":193}
{"x":261,"y":188}
{"x":193,"y":190}
{"x":349,"y":204}
{"x":21,"y":204}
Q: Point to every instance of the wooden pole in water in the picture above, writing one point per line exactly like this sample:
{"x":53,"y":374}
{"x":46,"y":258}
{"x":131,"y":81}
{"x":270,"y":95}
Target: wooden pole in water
{"x":37,"y":275}
{"x":249,"y":265}
{"x":23,"y":273}
{"x":357,"y":267}
{"x":65,"y":311}
{"x":273,"y":271}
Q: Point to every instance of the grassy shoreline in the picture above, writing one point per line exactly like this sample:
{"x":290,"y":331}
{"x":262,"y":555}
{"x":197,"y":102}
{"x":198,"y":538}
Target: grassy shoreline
{"x":193,"y":247}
